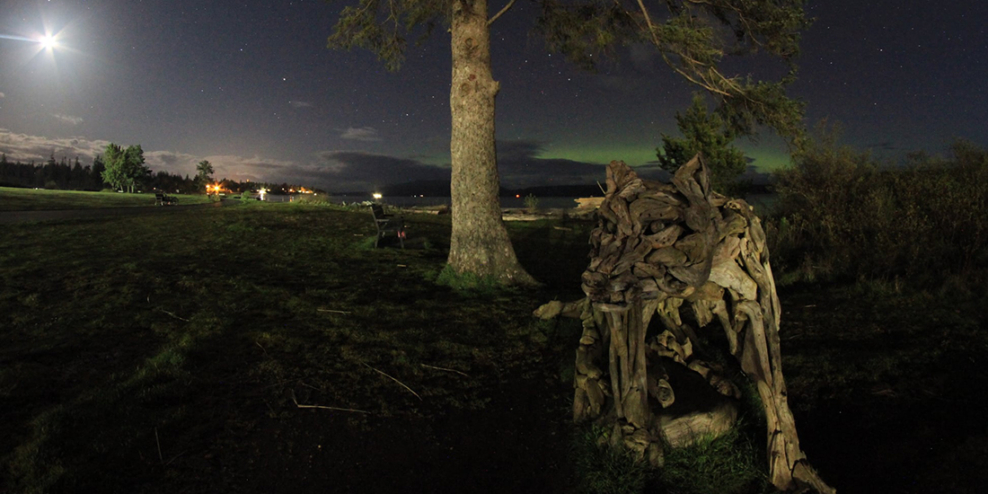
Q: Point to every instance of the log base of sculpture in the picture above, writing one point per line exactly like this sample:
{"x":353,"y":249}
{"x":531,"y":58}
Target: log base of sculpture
{"x":660,"y":248}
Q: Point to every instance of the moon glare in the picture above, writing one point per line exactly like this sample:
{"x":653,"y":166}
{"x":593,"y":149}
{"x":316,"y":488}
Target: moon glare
{"x":47,"y":42}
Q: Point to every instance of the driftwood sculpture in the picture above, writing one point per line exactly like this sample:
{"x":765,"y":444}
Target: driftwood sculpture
{"x":657,"y":248}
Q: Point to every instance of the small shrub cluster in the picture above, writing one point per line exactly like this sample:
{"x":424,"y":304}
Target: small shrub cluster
{"x":531,"y":203}
{"x":314,"y":200}
{"x":842,"y":214}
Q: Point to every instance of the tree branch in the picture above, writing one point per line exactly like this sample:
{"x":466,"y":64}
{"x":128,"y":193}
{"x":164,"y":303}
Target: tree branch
{"x":501,"y":12}
{"x":648,"y":20}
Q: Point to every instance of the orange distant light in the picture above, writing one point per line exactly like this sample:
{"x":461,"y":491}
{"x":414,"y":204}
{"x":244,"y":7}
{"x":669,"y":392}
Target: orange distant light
{"x":517,"y":196}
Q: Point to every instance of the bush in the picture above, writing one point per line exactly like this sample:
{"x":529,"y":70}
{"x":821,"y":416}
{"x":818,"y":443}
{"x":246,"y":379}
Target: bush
{"x":531,"y":203}
{"x":842,"y":214}
{"x":314,"y":199}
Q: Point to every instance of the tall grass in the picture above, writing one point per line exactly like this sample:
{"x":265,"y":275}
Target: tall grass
{"x":842,"y":214}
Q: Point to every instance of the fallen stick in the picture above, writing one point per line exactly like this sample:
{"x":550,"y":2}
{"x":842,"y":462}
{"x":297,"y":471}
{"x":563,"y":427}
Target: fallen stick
{"x":395,"y":380}
{"x":158,"y":442}
{"x":444,"y":369}
{"x":175,"y":458}
{"x":334,"y":311}
{"x":173,"y":315}
{"x":322,"y":407}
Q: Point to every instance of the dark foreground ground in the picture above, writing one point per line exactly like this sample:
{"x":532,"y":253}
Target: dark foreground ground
{"x":171,"y":353}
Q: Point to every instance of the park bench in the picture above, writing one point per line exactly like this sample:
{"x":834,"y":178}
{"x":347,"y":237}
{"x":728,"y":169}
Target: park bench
{"x":387,"y":223}
{"x":161,"y":199}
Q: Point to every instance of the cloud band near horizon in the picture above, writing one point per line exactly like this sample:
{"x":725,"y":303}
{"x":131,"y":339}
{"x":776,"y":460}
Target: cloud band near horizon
{"x":519,"y":164}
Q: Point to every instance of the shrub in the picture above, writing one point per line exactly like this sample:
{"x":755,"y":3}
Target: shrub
{"x":314,"y":199}
{"x":531,"y":203}
{"x":842,"y":214}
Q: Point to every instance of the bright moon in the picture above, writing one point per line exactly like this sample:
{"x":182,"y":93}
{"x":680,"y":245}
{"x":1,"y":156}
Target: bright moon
{"x":47,"y":42}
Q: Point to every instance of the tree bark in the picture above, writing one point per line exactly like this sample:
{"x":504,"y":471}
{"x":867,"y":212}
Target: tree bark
{"x":479,"y":242}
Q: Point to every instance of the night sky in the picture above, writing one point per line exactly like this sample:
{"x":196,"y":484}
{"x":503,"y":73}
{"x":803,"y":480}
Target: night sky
{"x":251,"y":87}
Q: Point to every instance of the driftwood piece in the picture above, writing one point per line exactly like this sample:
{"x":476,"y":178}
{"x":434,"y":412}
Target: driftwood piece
{"x":656,"y":247}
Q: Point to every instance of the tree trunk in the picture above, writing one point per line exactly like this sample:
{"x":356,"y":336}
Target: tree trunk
{"x":479,"y":243}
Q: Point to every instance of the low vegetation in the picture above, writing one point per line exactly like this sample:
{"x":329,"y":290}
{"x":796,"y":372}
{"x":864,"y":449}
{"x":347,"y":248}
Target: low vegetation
{"x":16,"y":199}
{"x":269,"y":348}
{"x":177,"y":356}
{"x":842,"y":215}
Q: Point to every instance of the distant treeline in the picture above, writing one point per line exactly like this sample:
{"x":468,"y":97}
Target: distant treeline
{"x":52,"y":174}
{"x":65,"y":175}
{"x":62,"y":175}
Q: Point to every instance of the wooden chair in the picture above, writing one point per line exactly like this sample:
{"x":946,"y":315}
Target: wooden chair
{"x":387,"y":223}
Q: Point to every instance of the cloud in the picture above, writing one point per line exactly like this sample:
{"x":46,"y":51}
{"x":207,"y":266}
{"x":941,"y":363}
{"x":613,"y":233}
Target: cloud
{"x":333,"y":170}
{"x":69,"y":119}
{"x":520,"y":166}
{"x":361,"y":134}
{"x":355,"y":170}
{"x":2,"y":95}
{"x":171,"y":162}
{"x":340,"y":171}
{"x":26,"y":148}
{"x":652,"y":171}
{"x":300,"y":104}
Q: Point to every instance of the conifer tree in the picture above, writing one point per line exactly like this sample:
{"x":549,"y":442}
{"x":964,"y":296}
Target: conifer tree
{"x":692,"y":37}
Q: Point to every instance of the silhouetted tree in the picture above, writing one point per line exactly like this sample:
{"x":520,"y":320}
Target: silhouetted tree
{"x":692,"y":37}
{"x":706,"y":133}
{"x":204,"y":174}
{"x":136,"y":169}
{"x":96,"y":173}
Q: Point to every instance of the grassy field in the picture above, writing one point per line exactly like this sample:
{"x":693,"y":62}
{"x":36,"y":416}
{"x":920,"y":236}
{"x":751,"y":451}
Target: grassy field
{"x":15,"y":199}
{"x":270,"y":348}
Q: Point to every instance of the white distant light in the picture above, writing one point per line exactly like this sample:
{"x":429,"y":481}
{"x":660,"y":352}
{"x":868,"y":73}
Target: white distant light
{"x":377,"y":195}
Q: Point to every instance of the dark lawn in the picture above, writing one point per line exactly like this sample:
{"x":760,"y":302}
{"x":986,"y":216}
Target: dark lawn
{"x":20,"y":199}
{"x":168,"y":353}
